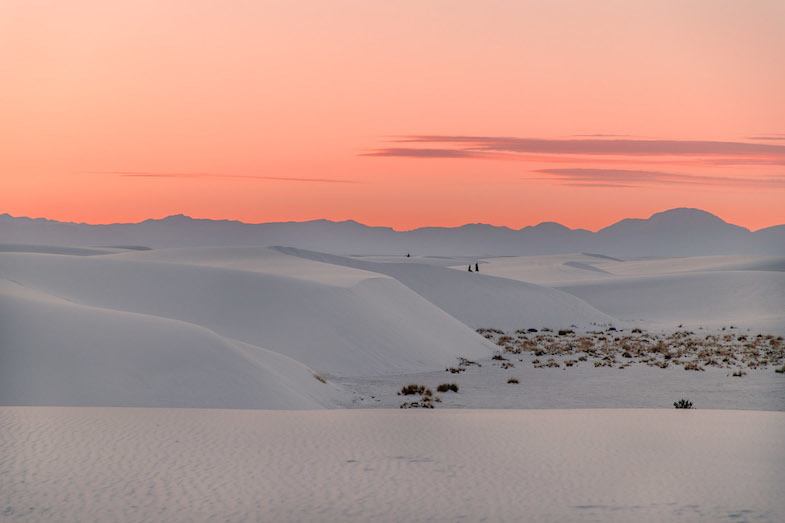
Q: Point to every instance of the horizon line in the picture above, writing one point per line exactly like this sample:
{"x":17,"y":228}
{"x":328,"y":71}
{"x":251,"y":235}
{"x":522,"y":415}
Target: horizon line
{"x":351,"y":220}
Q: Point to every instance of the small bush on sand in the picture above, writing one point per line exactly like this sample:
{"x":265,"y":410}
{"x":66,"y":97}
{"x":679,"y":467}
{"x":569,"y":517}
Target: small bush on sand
{"x":417,"y":405}
{"x":445,"y":387}
{"x":513,"y":381}
{"x":682,"y":404}
{"x":320,"y":378}
{"x":781,"y":370}
{"x":412,"y":388}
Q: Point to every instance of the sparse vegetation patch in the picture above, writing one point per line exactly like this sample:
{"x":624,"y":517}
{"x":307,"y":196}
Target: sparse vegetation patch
{"x":618,"y":348}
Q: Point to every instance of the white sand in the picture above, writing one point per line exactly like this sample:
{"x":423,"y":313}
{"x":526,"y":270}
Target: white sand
{"x":56,"y":352}
{"x":479,"y":300}
{"x":712,"y":299}
{"x":332,"y":319}
{"x":100,"y":464}
{"x":708,"y":291}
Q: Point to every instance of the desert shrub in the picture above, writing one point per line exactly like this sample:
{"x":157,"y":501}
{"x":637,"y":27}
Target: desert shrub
{"x":781,"y":370}
{"x":463,"y":362}
{"x":320,"y":378}
{"x":682,"y":404}
{"x":417,"y":405}
{"x":455,"y":370}
{"x":565,"y":332}
{"x":513,"y":381}
{"x":444,"y":387}
{"x":412,"y":388}
{"x":499,"y":357}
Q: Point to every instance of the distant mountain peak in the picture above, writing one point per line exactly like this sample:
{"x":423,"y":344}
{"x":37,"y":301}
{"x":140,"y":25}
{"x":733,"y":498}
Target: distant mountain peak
{"x":685,"y":213}
{"x":548,"y":227}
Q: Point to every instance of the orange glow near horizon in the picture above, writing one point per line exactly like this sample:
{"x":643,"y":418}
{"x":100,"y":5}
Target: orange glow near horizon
{"x":275,"y":111}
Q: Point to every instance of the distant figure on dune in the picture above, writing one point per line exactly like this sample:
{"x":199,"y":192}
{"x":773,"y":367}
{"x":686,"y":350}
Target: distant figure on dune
{"x":470,"y":267}
{"x":408,"y":255}
{"x":476,"y":267}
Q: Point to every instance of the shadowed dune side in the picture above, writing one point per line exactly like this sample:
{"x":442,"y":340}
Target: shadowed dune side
{"x":56,"y":352}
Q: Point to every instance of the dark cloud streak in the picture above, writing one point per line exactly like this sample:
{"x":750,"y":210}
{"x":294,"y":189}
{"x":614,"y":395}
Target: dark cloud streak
{"x":592,"y":146}
{"x":142,"y":174}
{"x":571,"y":176}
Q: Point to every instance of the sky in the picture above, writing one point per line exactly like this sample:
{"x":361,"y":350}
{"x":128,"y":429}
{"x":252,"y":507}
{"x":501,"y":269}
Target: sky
{"x":403,"y":114}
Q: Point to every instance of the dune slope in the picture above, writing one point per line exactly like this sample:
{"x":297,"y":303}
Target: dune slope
{"x":753,"y":299}
{"x":342,"y":322}
{"x":476,"y":299}
{"x":55,"y":352}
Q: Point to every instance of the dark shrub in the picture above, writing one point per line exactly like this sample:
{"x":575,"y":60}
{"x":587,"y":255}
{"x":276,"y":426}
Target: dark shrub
{"x":444,"y":387}
{"x":408,"y":390}
{"x":513,"y":381}
{"x":682,"y":404}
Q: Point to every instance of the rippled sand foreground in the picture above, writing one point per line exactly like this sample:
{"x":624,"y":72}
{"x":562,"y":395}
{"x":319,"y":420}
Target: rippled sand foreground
{"x":127,"y":464}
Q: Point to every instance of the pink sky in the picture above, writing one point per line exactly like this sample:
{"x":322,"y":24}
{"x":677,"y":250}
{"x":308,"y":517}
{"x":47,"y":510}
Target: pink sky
{"x":393,"y":113}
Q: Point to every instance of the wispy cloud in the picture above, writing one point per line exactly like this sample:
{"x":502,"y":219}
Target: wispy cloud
{"x":143,"y":174}
{"x":768,"y":137}
{"x":637,"y":178}
{"x":502,"y":147}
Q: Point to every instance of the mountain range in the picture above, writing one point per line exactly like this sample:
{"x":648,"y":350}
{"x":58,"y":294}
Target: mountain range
{"x":675,"y":232}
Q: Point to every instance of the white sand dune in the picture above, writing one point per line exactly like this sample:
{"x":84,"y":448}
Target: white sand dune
{"x":479,"y":300}
{"x":55,"y":249}
{"x":100,"y":464}
{"x":709,"y":291}
{"x":548,"y":270}
{"x":335,"y":320}
{"x":561,"y":269}
{"x":55,"y":352}
{"x":752,"y":299}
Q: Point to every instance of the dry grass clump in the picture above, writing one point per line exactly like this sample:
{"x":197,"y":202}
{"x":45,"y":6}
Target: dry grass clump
{"x":412,"y":388}
{"x":513,"y":381}
{"x":319,"y":378}
{"x":426,"y":400}
{"x":424,"y":403}
{"x":682,"y":404}
{"x":446,"y":387}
